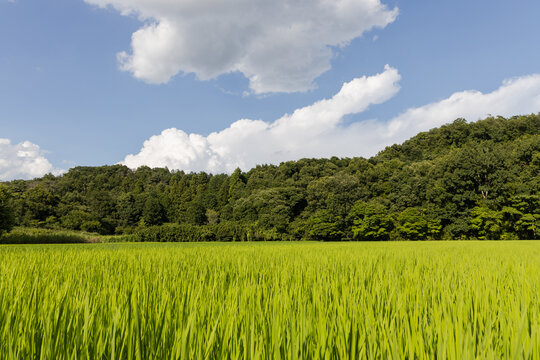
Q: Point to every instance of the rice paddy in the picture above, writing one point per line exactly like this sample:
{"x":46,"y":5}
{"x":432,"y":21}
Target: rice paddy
{"x":445,"y":300}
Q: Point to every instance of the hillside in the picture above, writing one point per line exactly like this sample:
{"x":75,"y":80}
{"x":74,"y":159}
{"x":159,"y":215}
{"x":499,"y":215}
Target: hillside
{"x":462,"y":180}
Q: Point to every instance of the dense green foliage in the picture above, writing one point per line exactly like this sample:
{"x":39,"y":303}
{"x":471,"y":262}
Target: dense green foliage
{"x":448,"y":300}
{"x":7,"y":218}
{"x":476,"y":180}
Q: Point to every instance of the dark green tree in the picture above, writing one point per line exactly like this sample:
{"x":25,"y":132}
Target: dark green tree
{"x":370,"y":221}
{"x":325,"y":226}
{"x":39,"y":204}
{"x":7,"y":218}
{"x":237,"y":184}
{"x":129,"y":213}
{"x":153,"y":212}
{"x":412,"y":224}
{"x":486,"y":223}
{"x":196,"y":214}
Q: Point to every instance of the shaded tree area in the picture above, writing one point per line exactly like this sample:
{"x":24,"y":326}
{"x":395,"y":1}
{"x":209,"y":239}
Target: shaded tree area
{"x":7,"y":218}
{"x":463,"y":180}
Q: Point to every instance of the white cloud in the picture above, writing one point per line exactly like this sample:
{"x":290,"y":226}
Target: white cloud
{"x":317,"y":130}
{"x":520,"y":95}
{"x":23,"y":161}
{"x":279,"y":45}
{"x":246,"y":143}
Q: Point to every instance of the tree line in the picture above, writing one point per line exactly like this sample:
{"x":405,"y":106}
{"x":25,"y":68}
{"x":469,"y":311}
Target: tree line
{"x":463,"y":180}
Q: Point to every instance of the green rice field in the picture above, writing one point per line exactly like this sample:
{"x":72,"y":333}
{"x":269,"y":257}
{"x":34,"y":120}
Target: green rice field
{"x":437,"y":300}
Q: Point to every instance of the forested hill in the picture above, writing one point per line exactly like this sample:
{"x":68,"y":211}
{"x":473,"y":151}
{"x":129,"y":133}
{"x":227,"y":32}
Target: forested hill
{"x":462,"y":180}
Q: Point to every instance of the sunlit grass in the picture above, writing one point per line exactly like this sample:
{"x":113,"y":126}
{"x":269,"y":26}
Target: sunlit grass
{"x":271,"y":300}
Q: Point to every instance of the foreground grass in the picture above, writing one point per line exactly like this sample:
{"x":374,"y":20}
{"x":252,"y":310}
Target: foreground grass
{"x":280,"y":300}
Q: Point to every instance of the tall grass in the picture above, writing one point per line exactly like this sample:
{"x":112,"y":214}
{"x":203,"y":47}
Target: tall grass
{"x":452,"y":300}
{"x":22,"y":235}
{"x":43,"y":236}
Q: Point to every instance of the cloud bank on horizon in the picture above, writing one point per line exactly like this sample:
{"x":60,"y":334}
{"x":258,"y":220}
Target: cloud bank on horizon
{"x":279,"y":45}
{"x":317,"y":130}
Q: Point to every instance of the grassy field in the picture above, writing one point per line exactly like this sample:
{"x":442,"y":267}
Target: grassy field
{"x":453,"y":300}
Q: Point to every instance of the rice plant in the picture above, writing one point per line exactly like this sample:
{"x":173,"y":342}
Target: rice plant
{"x":444,"y":300}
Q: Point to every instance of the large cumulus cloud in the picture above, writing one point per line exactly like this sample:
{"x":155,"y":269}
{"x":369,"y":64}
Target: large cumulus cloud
{"x":318,"y":130}
{"x":279,"y":45}
{"x":245,"y":143}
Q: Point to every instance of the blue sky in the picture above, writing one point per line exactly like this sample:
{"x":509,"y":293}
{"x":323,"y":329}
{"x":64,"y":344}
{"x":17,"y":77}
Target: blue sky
{"x":66,"y":101}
